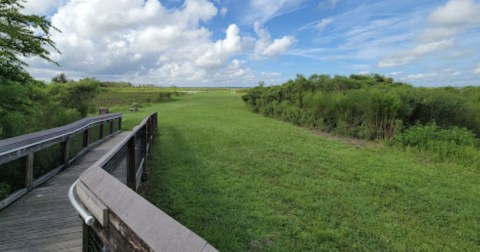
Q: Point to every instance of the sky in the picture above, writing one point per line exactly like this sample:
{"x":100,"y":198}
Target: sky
{"x":220,"y":43}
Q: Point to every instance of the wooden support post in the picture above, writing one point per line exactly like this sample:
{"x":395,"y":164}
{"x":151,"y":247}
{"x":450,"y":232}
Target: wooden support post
{"x":144,"y":151}
{"x":84,"y":237}
{"x":66,"y":151}
{"x":100,"y":131}
{"x":85,"y":138}
{"x":119,"y":123}
{"x":29,"y":171}
{"x":111,"y":126}
{"x":131,"y":179}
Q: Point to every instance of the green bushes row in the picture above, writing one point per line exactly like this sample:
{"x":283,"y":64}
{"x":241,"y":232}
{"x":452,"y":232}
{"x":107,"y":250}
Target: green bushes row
{"x":376,"y":107}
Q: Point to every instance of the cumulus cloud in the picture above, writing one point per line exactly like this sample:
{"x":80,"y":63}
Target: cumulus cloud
{"x":144,"y":41}
{"x":265,"y":47}
{"x":445,"y":24}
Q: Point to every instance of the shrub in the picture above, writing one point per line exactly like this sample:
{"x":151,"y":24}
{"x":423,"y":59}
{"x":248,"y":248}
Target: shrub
{"x":455,"y":144}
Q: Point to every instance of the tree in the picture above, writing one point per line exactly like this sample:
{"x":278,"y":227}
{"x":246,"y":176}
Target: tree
{"x":21,"y":36}
{"x":76,"y":95}
{"x":60,"y":78}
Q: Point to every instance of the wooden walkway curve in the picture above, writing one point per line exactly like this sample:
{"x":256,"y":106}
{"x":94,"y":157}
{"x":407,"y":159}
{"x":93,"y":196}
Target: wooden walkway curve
{"x":44,"y":220}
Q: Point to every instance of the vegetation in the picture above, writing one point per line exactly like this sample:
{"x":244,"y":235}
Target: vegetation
{"x":112,"y":95}
{"x":376,"y":107}
{"x":19,"y":38}
{"x":246,"y":182}
{"x":21,"y":97}
{"x":4,"y":190}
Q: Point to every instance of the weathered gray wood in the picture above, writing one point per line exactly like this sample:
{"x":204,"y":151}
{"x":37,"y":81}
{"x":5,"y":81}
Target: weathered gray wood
{"x":85,"y":138}
{"x":131,"y":178}
{"x":66,"y":151}
{"x":29,"y":171}
{"x":20,"y":146}
{"x":14,"y":196}
{"x":100,"y":131}
{"x":144,"y":146}
{"x":90,"y":201}
{"x":134,"y":222}
{"x":46,"y":177}
{"x":44,"y":220}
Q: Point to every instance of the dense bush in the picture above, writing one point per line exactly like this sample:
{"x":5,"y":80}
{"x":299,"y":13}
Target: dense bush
{"x":455,"y":144}
{"x":365,"y":106}
{"x":376,"y":107}
{"x":76,"y":95}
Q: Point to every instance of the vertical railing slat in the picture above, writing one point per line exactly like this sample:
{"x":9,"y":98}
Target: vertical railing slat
{"x":131,"y":180}
{"x":29,"y":171}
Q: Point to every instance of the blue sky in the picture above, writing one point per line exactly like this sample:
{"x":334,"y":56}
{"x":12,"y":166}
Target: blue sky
{"x":238,"y":43}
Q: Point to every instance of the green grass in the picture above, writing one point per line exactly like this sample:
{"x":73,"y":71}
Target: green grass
{"x":249,"y":183}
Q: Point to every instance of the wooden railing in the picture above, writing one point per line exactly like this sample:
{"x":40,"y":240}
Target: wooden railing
{"x":29,"y":160}
{"x":115,"y":216}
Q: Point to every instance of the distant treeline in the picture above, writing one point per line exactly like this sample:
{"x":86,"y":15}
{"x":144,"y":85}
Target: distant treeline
{"x":374,"y":107}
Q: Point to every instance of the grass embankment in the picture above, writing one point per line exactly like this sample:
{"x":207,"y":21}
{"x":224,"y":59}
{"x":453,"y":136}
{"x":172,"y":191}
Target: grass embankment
{"x":246,"y":182}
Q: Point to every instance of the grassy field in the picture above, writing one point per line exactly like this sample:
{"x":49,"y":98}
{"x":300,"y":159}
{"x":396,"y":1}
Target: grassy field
{"x":249,"y":183}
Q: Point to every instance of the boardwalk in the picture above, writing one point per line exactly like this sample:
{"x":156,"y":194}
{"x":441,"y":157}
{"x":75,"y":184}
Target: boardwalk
{"x":44,"y":220}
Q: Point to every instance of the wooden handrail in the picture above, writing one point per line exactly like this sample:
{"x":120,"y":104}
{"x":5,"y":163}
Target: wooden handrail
{"x":25,"y":147}
{"x":124,"y":220}
{"x":23,"y":142}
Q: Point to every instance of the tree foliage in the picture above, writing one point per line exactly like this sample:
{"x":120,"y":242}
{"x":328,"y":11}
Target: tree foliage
{"x":76,"y":95}
{"x":60,"y":78}
{"x":21,"y":35}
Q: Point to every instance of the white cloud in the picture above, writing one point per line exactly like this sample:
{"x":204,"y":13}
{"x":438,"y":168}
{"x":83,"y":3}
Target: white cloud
{"x":408,"y":56}
{"x":144,"y":41}
{"x":322,"y":24}
{"x":222,"y":50}
{"x":223,"y":11}
{"x":42,"y":7}
{"x":456,"y":13}
{"x":477,"y":70}
{"x":438,"y":33}
{"x":446,"y":23}
{"x":265,"y":47}
{"x":421,"y":76}
{"x":264,"y":10}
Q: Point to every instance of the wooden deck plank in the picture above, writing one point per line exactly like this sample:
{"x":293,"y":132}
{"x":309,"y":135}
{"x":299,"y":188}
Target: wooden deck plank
{"x":44,"y":220}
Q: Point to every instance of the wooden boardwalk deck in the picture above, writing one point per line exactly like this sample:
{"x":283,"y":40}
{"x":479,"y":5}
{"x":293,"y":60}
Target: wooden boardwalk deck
{"x":44,"y":220}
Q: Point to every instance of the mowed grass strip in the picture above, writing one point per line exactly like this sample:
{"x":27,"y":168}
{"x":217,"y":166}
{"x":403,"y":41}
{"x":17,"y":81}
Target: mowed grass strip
{"x":249,"y":183}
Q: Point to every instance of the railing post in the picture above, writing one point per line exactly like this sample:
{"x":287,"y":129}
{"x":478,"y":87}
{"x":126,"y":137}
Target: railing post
{"x":85,"y":137}
{"x":100,"y":131}
{"x":119,"y":123}
{"x":144,"y":151}
{"x":29,"y":171}
{"x":131,"y":180}
{"x":111,"y":127}
{"x":66,"y":151}
{"x":84,"y":237}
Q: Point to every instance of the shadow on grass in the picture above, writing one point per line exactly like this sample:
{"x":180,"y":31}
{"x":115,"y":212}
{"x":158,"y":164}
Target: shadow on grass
{"x":185,"y":186}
